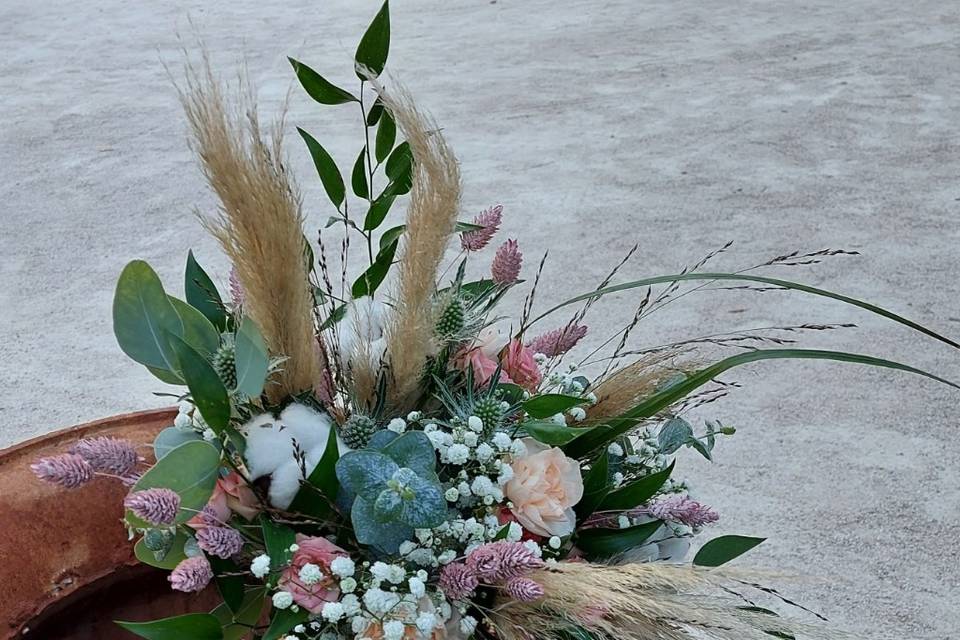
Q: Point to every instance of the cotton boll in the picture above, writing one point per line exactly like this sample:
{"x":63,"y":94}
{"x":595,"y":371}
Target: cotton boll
{"x":364,"y":322}
{"x":285,"y":481}
{"x":268,"y":446}
{"x":308,"y":426}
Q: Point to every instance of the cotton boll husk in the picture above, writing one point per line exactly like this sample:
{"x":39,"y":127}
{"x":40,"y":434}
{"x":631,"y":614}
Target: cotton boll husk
{"x":649,"y":601}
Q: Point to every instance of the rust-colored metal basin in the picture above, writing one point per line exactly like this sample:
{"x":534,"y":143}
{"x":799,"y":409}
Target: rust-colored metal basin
{"x":67,"y":570}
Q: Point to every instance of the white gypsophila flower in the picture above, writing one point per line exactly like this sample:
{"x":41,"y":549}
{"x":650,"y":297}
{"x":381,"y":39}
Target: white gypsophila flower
{"x":426,"y":622}
{"x":294,"y":548}
{"x":378,"y":602}
{"x":484,"y":452}
{"x":423,"y":557}
{"x":533,"y":547}
{"x":506,"y":474}
{"x":623,"y":522}
{"x":617,"y":479}
{"x":578,"y":414}
{"x":380,"y":570}
{"x":632,"y":459}
{"x":475,"y":424}
{"x":540,"y":358}
{"x":458,"y":454}
{"x":406,"y":547}
{"x":423,"y":575}
{"x":554,"y":542}
{"x":299,"y":628}
{"x":474,"y":529}
{"x":282,"y":599}
{"x":464,"y":489}
{"x":260,"y":566}
{"x":482,"y":486}
{"x":518,"y":448}
{"x":470,"y":439}
{"x":502,"y":441}
{"x":615,"y":449}
{"x":397,"y":574}
{"x":425,"y":536}
{"x":342,"y":566}
{"x":310,"y":574}
{"x":358,"y":624}
{"x":515,"y":532}
{"x":468,"y":624}
{"x":351,"y":604}
{"x":447,"y":556}
{"x":575,"y":386}
{"x":332,"y":612}
{"x":413,"y":416}
{"x":393,"y":630}
{"x":591,"y":398}
{"x":348,"y":585}
{"x":182,"y":421}
{"x":209,"y":435}
{"x":451,"y":495}
{"x":559,"y":419}
{"x":437,"y":439}
{"x":397,"y":425}
{"x":184,"y":407}
{"x":429,"y":428}
{"x":417,"y":587}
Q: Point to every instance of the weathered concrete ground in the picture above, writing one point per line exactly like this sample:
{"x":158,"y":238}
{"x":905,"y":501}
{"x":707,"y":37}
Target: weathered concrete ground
{"x":680,"y":126}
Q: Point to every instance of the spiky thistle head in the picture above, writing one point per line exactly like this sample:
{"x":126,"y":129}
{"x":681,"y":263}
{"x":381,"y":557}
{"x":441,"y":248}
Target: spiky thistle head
{"x":357,"y":431}
{"x":225,"y":364}
{"x":451,"y":317}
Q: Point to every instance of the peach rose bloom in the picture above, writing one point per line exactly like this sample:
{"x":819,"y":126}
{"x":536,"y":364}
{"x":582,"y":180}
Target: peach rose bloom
{"x":481,"y":356}
{"x":545,"y":486}
{"x":318,"y":551}
{"x":240,"y":497}
{"x":518,"y":363}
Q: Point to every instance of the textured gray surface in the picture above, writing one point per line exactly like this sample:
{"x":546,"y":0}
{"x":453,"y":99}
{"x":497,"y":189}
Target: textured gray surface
{"x":598,"y":124}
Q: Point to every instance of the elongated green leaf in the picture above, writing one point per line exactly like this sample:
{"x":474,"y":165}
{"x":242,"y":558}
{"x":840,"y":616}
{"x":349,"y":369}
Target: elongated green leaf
{"x":358,"y":177}
{"x":724,"y":549}
{"x":551,"y":433}
{"x":252,"y":359}
{"x":171,"y":438}
{"x":326,"y":169}
{"x":786,"y":284}
{"x":198,"y":332}
{"x":375,"y":44}
{"x":195,"y":626}
{"x":399,"y":169}
{"x":386,"y":136}
{"x":282,"y":621}
{"x":378,"y":212}
{"x":548,"y":404}
{"x":601,"y":434}
{"x":202,"y":294}
{"x":392,"y":235}
{"x":170,"y":560}
{"x":373,"y":116}
{"x":636,"y":493}
{"x":236,"y":626}
{"x":142,"y":315}
{"x":596,"y":485}
{"x":191,"y":470}
{"x":318,"y":87}
{"x":604,"y":543}
{"x":277,"y":538}
{"x":229,"y":579}
{"x":317,"y":499}
{"x":374,"y":275}
{"x":204,"y":384}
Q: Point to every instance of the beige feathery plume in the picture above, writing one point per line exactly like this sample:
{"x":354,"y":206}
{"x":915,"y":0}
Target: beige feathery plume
{"x":431,"y":217}
{"x":648,"y":601}
{"x":626,"y":387}
{"x":258,"y":224}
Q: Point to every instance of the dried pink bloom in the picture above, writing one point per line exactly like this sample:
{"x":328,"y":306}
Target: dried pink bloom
{"x":158,"y":506}
{"x":559,"y":341}
{"x":523,"y":589}
{"x":107,"y":455}
{"x":479,"y":238}
{"x":67,"y":469}
{"x":222,"y":542}
{"x":506,"y":263}
{"x":502,"y":560}
{"x":458,"y":581}
{"x":236,"y":289}
{"x":682,"y":509}
{"x":191,"y":575}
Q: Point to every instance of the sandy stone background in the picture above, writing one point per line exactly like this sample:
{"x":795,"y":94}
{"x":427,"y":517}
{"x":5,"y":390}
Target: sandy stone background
{"x":678,"y":126}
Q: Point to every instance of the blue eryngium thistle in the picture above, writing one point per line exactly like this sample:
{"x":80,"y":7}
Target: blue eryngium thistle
{"x":157,"y":506}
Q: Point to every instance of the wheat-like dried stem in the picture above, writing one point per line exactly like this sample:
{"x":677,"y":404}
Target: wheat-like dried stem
{"x":258,"y":223}
{"x":625,"y":387}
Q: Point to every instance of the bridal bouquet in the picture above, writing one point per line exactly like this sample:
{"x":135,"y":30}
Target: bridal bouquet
{"x":395,"y":455}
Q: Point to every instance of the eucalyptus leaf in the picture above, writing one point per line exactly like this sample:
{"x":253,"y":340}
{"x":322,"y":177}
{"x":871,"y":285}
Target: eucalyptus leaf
{"x":675,"y":433}
{"x":413,"y":450}
{"x":171,"y":438}
{"x":427,"y":508}
{"x":399,"y":169}
{"x":195,"y":626}
{"x":724,"y":549}
{"x":198,"y":332}
{"x":252,"y":359}
{"x":202,"y":294}
{"x":392,"y":235}
{"x":167,"y":559}
{"x":190,"y":470}
{"x":375,"y":44}
{"x":365,"y":472}
{"x":387,"y":506}
{"x":373,"y":115}
{"x":372,"y":532}
{"x":326,"y":168}
{"x":142,"y":315}
{"x":318,"y":87}
{"x":204,"y":384}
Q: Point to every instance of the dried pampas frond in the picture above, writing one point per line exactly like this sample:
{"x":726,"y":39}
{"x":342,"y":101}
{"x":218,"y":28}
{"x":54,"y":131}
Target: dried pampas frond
{"x":258,"y":224}
{"x":649,"y":601}
{"x":431,"y":218}
{"x":624,"y":388}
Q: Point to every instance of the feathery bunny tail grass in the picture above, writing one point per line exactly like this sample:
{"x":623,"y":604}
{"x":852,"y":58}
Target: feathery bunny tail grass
{"x":649,"y":601}
{"x":624,"y":388}
{"x":258,"y":224}
{"x":431,"y":218}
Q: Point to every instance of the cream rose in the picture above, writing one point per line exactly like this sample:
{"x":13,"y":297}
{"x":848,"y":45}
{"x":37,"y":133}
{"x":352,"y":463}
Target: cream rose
{"x":545,"y":486}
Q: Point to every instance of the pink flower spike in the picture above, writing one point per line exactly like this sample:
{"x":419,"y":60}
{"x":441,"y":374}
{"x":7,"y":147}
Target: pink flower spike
{"x":523,"y":589}
{"x":502,"y":560}
{"x":67,"y":469}
{"x":506,"y":263}
{"x":157,"y":506}
{"x":682,"y":509}
{"x":191,"y":575}
{"x":559,"y":341}
{"x":479,"y":238}
{"x":107,"y":455}
{"x":458,"y":581}
{"x":222,"y":542}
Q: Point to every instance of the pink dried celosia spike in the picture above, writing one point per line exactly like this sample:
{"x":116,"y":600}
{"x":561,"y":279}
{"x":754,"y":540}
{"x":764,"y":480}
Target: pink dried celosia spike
{"x":458,"y":581}
{"x":506,"y":263}
{"x":559,"y":341}
{"x":501,"y":560}
{"x":523,"y":589}
{"x":479,"y":238}
{"x":67,"y":469}
{"x":222,"y":542}
{"x":191,"y":575}
{"x":236,"y":289}
{"x":682,"y":509}
{"x":108,"y":455}
{"x":158,"y":505}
